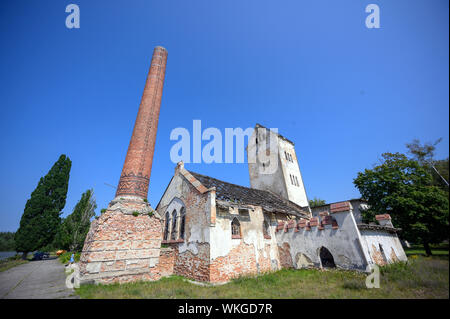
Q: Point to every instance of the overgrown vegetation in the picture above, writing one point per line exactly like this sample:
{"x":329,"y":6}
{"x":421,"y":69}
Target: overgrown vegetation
{"x":7,"y":241}
{"x":316,"y":202}
{"x":421,"y":277}
{"x":65,"y":257}
{"x":11,"y":262}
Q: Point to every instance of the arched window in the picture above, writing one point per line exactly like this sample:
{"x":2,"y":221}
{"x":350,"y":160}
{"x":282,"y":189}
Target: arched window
{"x":235,"y":228}
{"x":182,"y":222}
{"x":166,"y":226}
{"x":173,"y":235}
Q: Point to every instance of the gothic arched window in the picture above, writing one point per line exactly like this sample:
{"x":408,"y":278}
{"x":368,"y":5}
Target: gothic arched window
{"x":182,"y":222}
{"x":235,"y":228}
{"x":166,"y":226}
{"x":173,"y":235}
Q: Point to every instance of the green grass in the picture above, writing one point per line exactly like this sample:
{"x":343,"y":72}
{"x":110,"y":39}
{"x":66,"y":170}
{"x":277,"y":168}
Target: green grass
{"x":11,"y":262}
{"x":436,"y":250}
{"x":421,"y":277}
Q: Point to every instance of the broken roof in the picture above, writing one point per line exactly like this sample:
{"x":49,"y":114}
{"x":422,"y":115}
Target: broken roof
{"x":378,"y":228}
{"x":250,"y":196}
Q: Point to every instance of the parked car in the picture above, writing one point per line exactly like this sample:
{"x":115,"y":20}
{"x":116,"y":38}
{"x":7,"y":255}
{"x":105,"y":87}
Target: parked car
{"x":39,"y":255}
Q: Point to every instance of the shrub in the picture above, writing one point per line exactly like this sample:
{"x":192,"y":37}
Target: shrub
{"x":103,"y":210}
{"x":135,"y":214}
{"x":65,"y":257}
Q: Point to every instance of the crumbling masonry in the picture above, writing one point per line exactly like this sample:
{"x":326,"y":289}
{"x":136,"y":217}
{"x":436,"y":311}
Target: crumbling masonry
{"x":212,"y":231}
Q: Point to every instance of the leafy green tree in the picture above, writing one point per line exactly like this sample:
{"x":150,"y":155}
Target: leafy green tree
{"x":41,"y":216}
{"x":316,"y":202}
{"x":74,"y":228}
{"x":402,"y":187}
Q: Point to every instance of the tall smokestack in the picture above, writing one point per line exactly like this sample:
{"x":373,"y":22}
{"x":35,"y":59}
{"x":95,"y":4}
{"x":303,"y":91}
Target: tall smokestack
{"x":137,"y":168}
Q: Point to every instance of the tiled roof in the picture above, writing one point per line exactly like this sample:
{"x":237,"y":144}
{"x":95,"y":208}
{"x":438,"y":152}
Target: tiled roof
{"x":250,"y":196}
{"x":378,"y":228}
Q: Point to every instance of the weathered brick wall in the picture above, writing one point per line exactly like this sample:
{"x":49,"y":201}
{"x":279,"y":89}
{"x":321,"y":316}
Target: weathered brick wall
{"x":193,"y":266}
{"x":285,"y":256}
{"x":166,"y":262}
{"x":239,"y":261}
{"x":191,"y":255}
{"x":121,"y":247}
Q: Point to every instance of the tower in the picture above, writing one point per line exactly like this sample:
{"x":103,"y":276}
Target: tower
{"x":273,"y":165}
{"x":123,"y":244}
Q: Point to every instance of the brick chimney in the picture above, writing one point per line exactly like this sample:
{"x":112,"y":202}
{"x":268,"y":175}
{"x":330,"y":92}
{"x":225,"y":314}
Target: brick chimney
{"x":135,"y":176}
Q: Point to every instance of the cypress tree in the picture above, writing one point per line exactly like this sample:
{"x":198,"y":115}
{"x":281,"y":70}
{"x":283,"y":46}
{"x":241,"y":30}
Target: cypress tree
{"x":41,"y":216}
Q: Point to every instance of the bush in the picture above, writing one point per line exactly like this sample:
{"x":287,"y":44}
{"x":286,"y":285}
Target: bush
{"x":135,"y":214}
{"x":65,"y":257}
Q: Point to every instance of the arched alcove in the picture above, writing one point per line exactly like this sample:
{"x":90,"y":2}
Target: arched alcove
{"x":326,"y":258}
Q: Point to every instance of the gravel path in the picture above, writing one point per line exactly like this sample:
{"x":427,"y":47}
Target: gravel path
{"x":43,"y":279}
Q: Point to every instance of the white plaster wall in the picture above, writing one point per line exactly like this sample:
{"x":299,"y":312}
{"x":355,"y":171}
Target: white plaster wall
{"x":273,"y":182}
{"x":296,"y":194}
{"x":357,"y":207}
{"x":387,"y":240}
{"x":251,"y":231}
{"x":343,"y":243}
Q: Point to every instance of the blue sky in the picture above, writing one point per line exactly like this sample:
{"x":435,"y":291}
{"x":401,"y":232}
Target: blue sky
{"x":343,"y":93}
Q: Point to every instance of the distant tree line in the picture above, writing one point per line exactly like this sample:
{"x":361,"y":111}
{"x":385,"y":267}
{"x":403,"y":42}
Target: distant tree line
{"x":7,"y":241}
{"x":41,"y":226}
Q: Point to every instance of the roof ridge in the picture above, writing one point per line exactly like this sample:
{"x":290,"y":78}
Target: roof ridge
{"x":261,"y":191}
{"x":224,"y":181}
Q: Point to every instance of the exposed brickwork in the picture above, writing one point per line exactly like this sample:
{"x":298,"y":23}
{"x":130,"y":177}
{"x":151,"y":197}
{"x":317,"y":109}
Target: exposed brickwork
{"x":122,"y":247}
{"x":314,"y":221}
{"x":136,"y":170}
{"x":285,"y":256}
{"x":382,"y":217}
{"x":240,"y":260}
{"x":166,"y":261}
{"x":193,"y":266}
{"x":280,"y":226}
{"x":340,"y":207}
{"x":377,"y":256}
{"x":393,"y":256}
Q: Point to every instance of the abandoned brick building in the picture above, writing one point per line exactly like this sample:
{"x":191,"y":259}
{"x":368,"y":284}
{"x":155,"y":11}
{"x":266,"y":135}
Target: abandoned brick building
{"x":216,"y":230}
{"x":210,"y":230}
